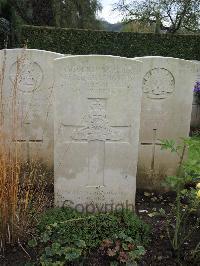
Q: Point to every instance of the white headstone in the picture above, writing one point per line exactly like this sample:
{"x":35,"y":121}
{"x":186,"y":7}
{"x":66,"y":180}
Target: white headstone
{"x":27,"y":86}
{"x":166,"y":113}
{"x":96,"y":131}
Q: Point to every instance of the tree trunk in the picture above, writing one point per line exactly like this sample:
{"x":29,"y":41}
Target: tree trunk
{"x":158,"y":24}
{"x":56,"y":7}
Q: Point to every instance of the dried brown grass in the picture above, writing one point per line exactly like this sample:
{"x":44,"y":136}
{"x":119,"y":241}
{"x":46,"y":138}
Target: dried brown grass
{"x":23,"y":185}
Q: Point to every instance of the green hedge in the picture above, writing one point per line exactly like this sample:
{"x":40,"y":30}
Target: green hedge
{"x":3,"y":39}
{"x":72,"y":41}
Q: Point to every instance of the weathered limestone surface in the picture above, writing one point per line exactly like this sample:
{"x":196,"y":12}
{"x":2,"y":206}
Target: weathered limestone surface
{"x":166,"y":113}
{"x":97,"y":121}
{"x":27,"y":86}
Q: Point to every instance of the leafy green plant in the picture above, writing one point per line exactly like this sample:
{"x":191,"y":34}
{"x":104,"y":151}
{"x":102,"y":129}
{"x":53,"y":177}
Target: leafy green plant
{"x":179,"y":227}
{"x":121,"y":249}
{"x":58,"y":254}
{"x":196,"y":254}
{"x":65,"y":235}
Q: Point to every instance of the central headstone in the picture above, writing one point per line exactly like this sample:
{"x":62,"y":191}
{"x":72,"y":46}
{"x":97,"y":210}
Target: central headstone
{"x":96,"y":131}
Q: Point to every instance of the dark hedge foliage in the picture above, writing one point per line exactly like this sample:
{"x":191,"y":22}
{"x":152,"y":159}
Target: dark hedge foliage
{"x":127,"y":44}
{"x":3,"y":39}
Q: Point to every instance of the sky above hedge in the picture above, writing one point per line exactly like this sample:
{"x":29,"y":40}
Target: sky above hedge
{"x":107,"y":13}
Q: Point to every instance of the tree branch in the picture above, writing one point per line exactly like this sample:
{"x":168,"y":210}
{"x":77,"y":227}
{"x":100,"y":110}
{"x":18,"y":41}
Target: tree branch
{"x":21,"y":11}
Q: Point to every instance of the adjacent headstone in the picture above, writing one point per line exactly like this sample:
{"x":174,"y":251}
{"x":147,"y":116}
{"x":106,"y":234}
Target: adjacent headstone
{"x":27,"y":88}
{"x":97,"y":120}
{"x":166,"y":113}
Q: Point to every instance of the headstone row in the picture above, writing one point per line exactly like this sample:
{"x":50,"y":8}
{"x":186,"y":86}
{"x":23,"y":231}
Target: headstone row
{"x":109,"y":116}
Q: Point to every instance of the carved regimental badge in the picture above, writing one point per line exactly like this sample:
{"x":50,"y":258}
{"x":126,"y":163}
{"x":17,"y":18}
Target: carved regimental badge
{"x":27,"y":74}
{"x":97,"y":127}
{"x":158,"y":83}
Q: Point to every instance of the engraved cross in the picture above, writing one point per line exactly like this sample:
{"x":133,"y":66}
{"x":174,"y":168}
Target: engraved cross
{"x":27,"y":140}
{"x":96,"y":133}
{"x":154,"y":143}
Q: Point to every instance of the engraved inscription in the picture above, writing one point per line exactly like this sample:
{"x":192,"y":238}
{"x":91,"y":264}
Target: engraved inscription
{"x":28,"y":75}
{"x":97,"y":126}
{"x":94,"y":92}
{"x":158,"y":83}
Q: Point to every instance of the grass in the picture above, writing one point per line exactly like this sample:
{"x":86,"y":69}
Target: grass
{"x":23,"y":184}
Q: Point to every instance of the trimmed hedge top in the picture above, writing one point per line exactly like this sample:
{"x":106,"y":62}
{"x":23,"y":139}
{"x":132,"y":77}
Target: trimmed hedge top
{"x":126,"y":44}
